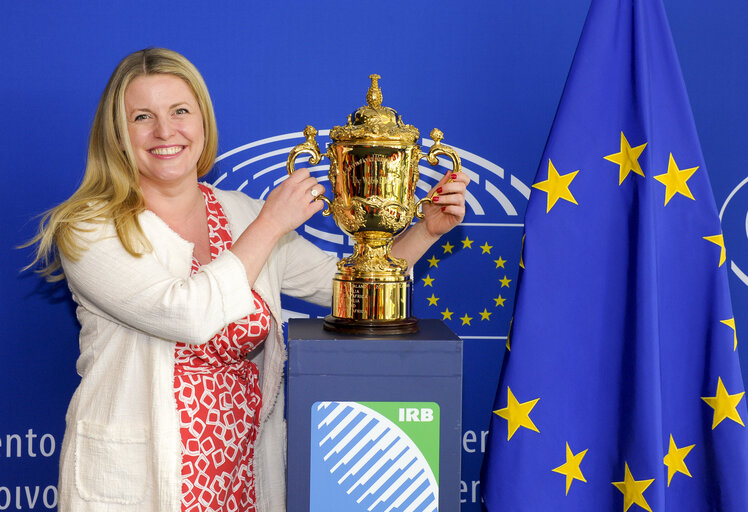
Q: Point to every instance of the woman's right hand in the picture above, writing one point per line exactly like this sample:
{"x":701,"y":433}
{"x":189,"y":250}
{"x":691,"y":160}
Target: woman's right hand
{"x":287,"y":207}
{"x":292,"y":202}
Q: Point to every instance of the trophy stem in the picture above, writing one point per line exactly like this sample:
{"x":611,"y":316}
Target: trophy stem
{"x":372,"y":260}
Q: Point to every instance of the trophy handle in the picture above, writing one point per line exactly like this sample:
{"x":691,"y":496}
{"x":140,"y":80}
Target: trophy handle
{"x":311,"y":147}
{"x":438,"y":149}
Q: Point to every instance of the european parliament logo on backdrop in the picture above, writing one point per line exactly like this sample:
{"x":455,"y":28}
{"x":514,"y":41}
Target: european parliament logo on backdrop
{"x":467,"y":280}
{"x":734,"y":217}
{"x":622,"y":389}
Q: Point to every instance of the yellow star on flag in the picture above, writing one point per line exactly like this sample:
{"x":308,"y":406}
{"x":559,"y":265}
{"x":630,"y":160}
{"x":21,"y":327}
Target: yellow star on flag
{"x":486,"y":248}
{"x":427,"y":281}
{"x":448,"y":248}
{"x":499,"y":301}
{"x":467,"y":243}
{"x":466,"y":319}
{"x":433,"y":300}
{"x":505,"y":282}
{"x":522,"y":253}
{"x":675,"y":180}
{"x":633,"y":491}
{"x":730,"y":322}
{"x":556,"y":186}
{"x":675,"y":460}
{"x":627,"y":159}
{"x":571,"y":468}
{"x":447,"y":314}
{"x":485,"y":315}
{"x":517,"y":414}
{"x":500,"y":262}
{"x":718,"y":240}
{"x":724,"y":405}
{"x":433,"y":262}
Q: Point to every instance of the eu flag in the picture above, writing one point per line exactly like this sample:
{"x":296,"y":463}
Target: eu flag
{"x":621,"y":389}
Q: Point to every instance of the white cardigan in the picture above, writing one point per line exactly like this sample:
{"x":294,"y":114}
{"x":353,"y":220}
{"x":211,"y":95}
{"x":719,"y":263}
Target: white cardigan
{"x":122,"y":446}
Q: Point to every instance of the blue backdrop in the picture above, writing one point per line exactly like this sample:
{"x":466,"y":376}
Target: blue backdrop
{"x":488,"y":74}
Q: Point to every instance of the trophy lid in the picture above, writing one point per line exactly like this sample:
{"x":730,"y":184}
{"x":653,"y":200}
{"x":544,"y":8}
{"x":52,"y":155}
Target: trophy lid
{"x":375,"y":122}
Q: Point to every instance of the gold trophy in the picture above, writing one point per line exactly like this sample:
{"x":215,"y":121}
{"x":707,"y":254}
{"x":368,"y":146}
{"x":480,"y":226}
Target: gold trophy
{"x":373,"y":174}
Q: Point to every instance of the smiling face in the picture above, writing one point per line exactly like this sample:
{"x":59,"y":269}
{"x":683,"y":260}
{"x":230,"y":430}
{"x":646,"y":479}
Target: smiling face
{"x":165,"y":127}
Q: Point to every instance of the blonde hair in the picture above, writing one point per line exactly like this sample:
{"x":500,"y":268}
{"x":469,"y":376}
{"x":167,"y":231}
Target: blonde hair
{"x":110,"y":188}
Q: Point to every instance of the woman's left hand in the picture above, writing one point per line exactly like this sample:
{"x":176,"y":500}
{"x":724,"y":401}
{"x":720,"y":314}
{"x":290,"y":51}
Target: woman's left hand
{"x":444,"y":213}
{"x":448,"y":207}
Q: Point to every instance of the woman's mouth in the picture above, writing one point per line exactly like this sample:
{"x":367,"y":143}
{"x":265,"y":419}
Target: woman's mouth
{"x":166,"y":150}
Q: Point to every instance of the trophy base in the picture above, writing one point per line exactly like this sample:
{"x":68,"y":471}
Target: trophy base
{"x":371,"y":307}
{"x":371,"y":327}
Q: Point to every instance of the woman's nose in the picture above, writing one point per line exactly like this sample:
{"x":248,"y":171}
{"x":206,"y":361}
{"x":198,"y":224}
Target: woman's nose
{"x":164,"y":128}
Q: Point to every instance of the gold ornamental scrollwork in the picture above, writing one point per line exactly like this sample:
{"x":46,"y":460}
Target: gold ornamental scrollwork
{"x":371,"y":260}
{"x":350,"y":218}
{"x":311,"y":147}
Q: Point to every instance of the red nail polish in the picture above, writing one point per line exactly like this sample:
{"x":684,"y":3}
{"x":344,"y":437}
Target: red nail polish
{"x":439,"y":190}
{"x":454,"y":176}
{"x":435,"y":199}
{"x":444,"y":208}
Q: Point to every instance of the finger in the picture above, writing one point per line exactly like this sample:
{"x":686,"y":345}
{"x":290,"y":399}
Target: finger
{"x":445,"y":179}
{"x":317,"y":205}
{"x":449,"y":200}
{"x":299,"y":187}
{"x":299,"y":175}
{"x":457,"y":177}
{"x":453,"y":187}
{"x":460,"y":177}
{"x":450,"y":189}
{"x":313,"y":207}
{"x":316,"y":191}
{"x":311,"y":188}
{"x":452,"y":177}
{"x":307,"y":183}
{"x":456,"y":210}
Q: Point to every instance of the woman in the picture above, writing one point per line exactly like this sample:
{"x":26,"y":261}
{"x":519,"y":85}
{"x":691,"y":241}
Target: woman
{"x":178,"y":285}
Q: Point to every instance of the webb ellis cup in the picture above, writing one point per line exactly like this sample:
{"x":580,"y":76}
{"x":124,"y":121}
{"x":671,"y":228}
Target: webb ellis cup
{"x":373,"y":174}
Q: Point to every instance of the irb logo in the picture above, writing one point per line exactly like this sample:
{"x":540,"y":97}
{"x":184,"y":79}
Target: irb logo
{"x":423,"y":414}
{"x":363,"y":459}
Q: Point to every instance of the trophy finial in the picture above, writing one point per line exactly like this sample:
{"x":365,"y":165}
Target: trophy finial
{"x":374,"y":94}
{"x":436,"y":135}
{"x":310,"y":132}
{"x":374,"y":121}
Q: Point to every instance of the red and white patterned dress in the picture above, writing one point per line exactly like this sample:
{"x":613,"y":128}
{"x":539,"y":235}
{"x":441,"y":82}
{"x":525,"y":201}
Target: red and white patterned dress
{"x":218,"y":400}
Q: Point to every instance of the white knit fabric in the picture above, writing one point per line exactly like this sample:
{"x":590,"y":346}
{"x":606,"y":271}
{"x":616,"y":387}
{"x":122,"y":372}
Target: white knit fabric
{"x":122,"y":450}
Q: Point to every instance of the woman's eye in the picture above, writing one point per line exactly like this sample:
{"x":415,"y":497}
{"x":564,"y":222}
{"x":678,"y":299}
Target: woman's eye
{"x":141,"y":117}
{"x":182,"y":111}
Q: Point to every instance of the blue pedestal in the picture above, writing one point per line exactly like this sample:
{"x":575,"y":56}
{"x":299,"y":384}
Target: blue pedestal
{"x":374,"y":422}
